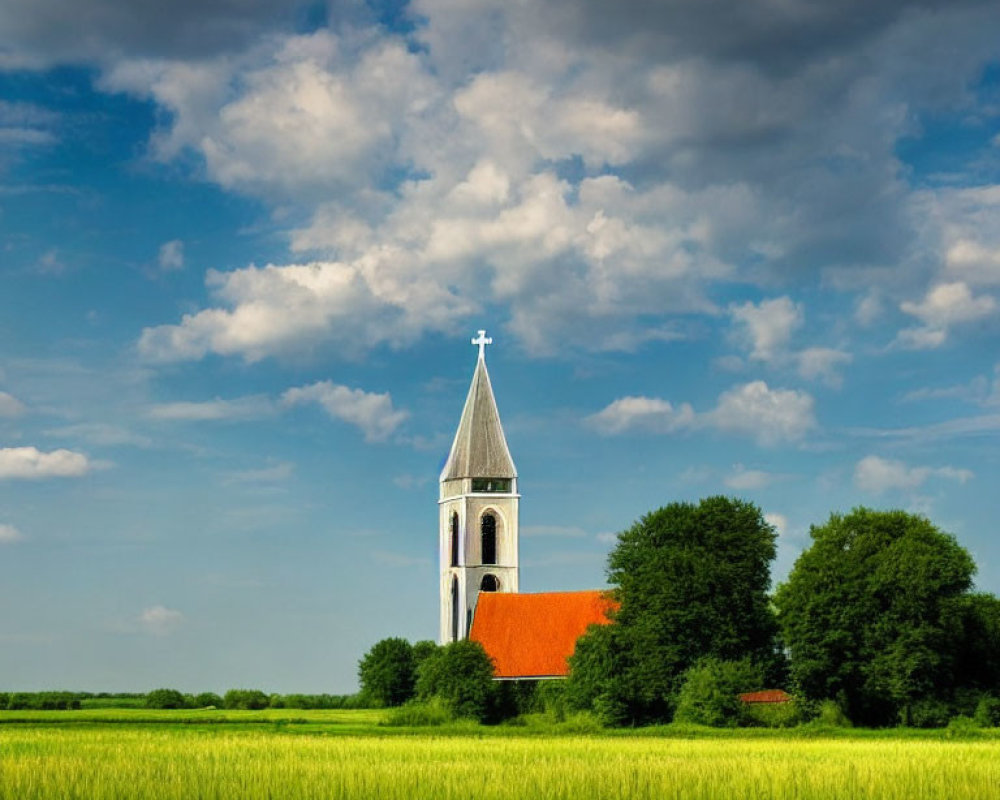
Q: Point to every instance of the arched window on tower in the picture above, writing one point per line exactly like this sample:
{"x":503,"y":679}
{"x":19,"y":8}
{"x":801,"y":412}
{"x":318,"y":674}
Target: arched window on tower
{"x":488,"y":528}
{"x":454,"y":540}
{"x":489,"y":584}
{"x":454,"y":609}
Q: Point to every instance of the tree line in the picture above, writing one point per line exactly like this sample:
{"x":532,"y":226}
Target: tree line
{"x":878,"y":622}
{"x":244,"y":699}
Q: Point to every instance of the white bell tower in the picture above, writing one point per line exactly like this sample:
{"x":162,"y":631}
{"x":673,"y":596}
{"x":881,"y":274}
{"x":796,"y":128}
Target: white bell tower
{"x":478,"y":508}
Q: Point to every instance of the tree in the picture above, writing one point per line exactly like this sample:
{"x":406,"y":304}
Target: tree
{"x":874,"y":614}
{"x":206,"y":699}
{"x":421,"y":650}
{"x":692,"y":582}
{"x":461,"y":674}
{"x":246,"y":699}
{"x":388,"y":672}
{"x":165,"y":698}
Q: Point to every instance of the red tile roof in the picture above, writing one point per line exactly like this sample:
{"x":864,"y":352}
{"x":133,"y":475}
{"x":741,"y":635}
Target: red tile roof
{"x":766,"y":696}
{"x":532,"y":635}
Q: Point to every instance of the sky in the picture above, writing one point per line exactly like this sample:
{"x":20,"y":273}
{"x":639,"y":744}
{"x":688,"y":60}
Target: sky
{"x":738,"y":247}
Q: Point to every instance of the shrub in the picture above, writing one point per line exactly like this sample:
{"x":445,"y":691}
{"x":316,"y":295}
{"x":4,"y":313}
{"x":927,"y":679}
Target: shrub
{"x":710,"y":692}
{"x":927,"y":713}
{"x":774,"y":715}
{"x":418,"y":713}
{"x":245,"y":699}
{"x":461,"y":674}
{"x":829,"y":714}
{"x":550,"y":697}
{"x":987,"y":712}
{"x":962,"y":727}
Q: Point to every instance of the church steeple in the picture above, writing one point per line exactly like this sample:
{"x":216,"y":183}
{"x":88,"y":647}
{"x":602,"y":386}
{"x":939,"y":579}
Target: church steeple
{"x":478,"y":503}
{"x":480,"y":448}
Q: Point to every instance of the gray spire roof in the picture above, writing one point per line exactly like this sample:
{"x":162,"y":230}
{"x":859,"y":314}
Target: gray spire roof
{"x":480,"y":449}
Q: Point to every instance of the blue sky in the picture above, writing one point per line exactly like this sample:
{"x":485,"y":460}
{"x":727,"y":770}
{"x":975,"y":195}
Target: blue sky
{"x":732,"y":247}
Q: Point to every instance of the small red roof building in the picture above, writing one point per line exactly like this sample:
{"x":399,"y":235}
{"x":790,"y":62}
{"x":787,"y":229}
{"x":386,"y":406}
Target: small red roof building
{"x":767,"y":696}
{"x":532,"y":635}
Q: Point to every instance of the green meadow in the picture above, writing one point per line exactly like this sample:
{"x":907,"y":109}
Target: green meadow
{"x":125,"y":753}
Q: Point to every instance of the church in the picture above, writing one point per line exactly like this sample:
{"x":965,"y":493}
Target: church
{"x":528,"y":636}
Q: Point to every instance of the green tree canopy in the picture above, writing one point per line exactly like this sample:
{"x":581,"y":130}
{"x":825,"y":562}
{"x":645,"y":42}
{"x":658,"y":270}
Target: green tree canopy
{"x":165,"y":698}
{"x":874,"y":614}
{"x":461,"y":674}
{"x":388,"y":672}
{"x":692,"y":581}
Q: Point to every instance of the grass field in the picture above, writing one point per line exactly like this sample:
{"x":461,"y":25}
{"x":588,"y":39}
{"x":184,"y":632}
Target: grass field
{"x":347,"y":754}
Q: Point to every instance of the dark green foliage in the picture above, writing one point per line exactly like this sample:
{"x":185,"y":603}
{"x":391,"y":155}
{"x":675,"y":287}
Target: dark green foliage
{"x":874,"y":614}
{"x":711,"y":689}
{"x":692,"y":581}
{"x":987,"y":713}
{"x":926,"y":713}
{"x":165,"y":698}
{"x":206,"y":699}
{"x":422,"y":650}
{"x":977,"y":657}
{"x":461,"y":675}
{"x":43,"y":701}
{"x":308,"y":701}
{"x":388,"y":672}
{"x":245,"y":699}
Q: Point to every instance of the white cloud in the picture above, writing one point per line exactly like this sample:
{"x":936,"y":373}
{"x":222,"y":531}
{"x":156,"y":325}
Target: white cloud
{"x":243,"y":408}
{"x":921,"y":338}
{"x":159,"y":620}
{"x":171,"y":255}
{"x":974,"y":262}
{"x":748,"y":479}
{"x":943,"y":306}
{"x":492,"y":133}
{"x":822,"y":362}
{"x":280,"y":309}
{"x":100,"y":433}
{"x":31,"y":463}
{"x":877,"y":475}
{"x":373,"y":413}
{"x":869,"y":309}
{"x":949,"y":304}
{"x":767,"y":327}
{"x":641,"y":413}
{"x":778,"y":521}
{"x":9,"y":534}
{"x":768,"y":415}
{"x":10,"y":406}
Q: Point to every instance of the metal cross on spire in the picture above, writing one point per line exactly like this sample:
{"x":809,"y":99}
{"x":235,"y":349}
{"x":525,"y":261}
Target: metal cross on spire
{"x":482,"y":341}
